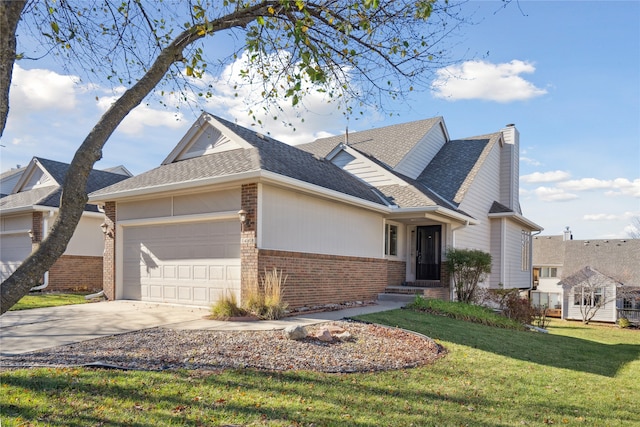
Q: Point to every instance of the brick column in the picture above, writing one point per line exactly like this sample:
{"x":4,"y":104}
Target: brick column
{"x":109,"y":254}
{"x":36,"y":228}
{"x":248,"y":244}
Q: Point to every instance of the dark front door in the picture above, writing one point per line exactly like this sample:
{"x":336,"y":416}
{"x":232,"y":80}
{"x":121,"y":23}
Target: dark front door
{"x":428,"y":253}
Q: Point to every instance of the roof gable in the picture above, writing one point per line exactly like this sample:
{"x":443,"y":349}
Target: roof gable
{"x":41,"y":173}
{"x":589,"y":277}
{"x":207,"y":135}
{"x":41,"y":183}
{"x":255,"y":153}
{"x":390,"y":144}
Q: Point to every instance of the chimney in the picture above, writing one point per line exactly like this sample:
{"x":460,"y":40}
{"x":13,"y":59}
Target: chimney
{"x":510,"y":168}
{"x":567,"y":235}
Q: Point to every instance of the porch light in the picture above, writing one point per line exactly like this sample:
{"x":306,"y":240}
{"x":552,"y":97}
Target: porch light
{"x":31,"y":235}
{"x":242,"y":214}
{"x":244,"y":221}
{"x":105,"y":229}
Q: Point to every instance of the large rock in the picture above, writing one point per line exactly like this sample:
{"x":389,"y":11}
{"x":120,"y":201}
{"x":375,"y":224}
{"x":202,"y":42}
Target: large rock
{"x":295,"y":332}
{"x":324,"y":335}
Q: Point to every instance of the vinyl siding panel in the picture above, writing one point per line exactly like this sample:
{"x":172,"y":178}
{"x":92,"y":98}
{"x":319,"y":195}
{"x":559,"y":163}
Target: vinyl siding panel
{"x":607,"y":313}
{"x":301,"y":223}
{"x":515,"y":277}
{"x":87,"y":239}
{"x":419,"y":157}
{"x":477,"y":201}
{"x":364,"y":169}
{"x":190,"y":204}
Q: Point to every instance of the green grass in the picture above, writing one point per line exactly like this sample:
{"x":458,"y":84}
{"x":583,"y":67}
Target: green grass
{"x":47,"y":300}
{"x":463,"y":311}
{"x":576,"y":375}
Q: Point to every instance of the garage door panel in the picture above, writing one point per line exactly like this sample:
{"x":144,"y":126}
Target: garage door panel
{"x":13,"y":250}
{"x":192,"y":263}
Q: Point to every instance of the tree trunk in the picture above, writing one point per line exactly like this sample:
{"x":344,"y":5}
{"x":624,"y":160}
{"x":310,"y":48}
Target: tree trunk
{"x":10,"y":12}
{"x":74,"y":196}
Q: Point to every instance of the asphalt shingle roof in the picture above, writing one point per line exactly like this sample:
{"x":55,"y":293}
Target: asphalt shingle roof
{"x":50,"y":196}
{"x":266,"y":153}
{"x":449,"y":171}
{"x":389,"y":144}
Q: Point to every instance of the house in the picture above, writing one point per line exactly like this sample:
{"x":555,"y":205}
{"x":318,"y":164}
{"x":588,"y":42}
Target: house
{"x":575,"y":276}
{"x":30,"y":209}
{"x":342,"y":217}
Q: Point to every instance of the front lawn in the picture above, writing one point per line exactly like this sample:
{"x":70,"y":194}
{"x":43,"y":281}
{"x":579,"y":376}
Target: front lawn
{"x":52,"y":299}
{"x":576,"y":375}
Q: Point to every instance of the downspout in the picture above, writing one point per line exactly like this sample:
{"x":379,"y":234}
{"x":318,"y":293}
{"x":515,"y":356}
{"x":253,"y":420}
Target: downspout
{"x":531,"y":261}
{"x":453,"y":245}
{"x":45,"y":232}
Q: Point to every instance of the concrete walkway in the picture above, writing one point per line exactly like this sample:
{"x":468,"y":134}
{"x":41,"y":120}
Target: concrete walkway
{"x":41,"y":328}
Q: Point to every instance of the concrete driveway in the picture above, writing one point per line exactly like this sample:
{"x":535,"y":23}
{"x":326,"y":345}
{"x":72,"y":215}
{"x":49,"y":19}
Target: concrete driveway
{"x":41,"y":328}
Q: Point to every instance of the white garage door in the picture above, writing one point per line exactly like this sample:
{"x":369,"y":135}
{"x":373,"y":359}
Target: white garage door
{"x":14,"y":248}
{"x":186,"y":263}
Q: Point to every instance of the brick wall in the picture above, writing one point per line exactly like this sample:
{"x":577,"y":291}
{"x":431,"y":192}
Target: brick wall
{"x":248,"y":250}
{"x":76,"y":273}
{"x":36,"y":229}
{"x":396,"y":273}
{"x":109,"y":256}
{"x":316,"y":279}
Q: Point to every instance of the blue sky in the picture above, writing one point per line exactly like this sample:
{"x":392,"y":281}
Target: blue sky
{"x":566,"y":73}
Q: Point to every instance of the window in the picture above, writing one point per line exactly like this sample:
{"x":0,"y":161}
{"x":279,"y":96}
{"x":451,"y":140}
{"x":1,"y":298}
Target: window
{"x":525,"y":240}
{"x":548,"y":272}
{"x":390,"y":239}
{"x":631,"y":303}
{"x":590,"y":297}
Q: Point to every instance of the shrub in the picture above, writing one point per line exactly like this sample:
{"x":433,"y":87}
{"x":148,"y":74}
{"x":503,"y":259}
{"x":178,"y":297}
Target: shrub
{"x":265,"y":300}
{"x":226,"y":307}
{"x":512,"y":305}
{"x":468,"y":267}
{"x":623,"y":322}
{"x":540,"y":318}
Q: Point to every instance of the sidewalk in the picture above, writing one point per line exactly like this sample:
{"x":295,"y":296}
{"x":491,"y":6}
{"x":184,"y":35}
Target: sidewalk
{"x":302,"y":319}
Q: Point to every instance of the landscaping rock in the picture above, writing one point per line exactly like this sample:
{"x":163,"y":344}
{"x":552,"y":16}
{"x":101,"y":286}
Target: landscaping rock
{"x":324,"y":335}
{"x":342,"y":335}
{"x":295,"y":332}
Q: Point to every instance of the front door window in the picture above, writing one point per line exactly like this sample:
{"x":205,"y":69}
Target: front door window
{"x":428,"y":253}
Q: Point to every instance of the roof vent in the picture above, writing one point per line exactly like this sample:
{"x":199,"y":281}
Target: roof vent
{"x":510,"y":125}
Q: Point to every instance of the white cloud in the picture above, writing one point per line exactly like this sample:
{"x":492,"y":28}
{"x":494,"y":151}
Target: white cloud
{"x":610,"y":217}
{"x":530,"y":161}
{"x":317,"y":115}
{"x":143,"y":115}
{"x":486,"y":81}
{"x":552,"y":176}
{"x":616,"y":187}
{"x":37,"y":89}
{"x":551,"y":194}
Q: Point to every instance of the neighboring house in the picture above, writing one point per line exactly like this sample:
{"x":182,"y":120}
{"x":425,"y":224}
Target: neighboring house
{"x":28,"y":212}
{"x":9,"y":179}
{"x":573,"y":276}
{"x":342,"y":219}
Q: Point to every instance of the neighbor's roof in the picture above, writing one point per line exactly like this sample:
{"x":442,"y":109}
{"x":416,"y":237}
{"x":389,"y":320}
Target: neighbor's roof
{"x":265,"y":154}
{"x":548,"y":250}
{"x":617,"y":258}
{"x":50,"y":196}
